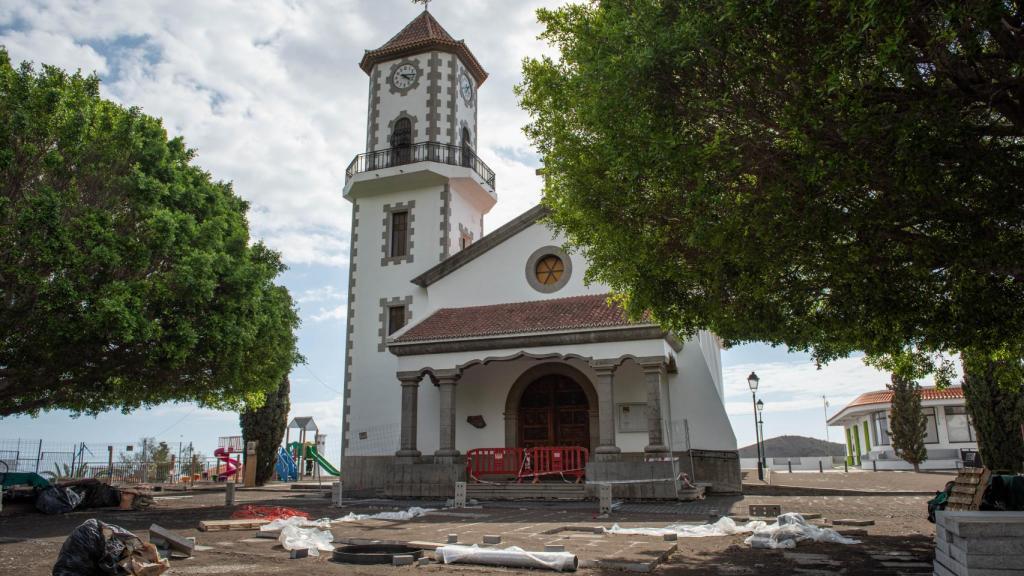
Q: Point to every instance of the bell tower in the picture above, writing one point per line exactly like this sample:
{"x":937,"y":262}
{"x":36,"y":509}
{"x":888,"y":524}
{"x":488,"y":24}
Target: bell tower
{"x":419,"y":193}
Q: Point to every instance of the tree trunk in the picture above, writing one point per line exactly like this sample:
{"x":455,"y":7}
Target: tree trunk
{"x":266,"y":425}
{"x":917,"y":467}
{"x":997,"y":413}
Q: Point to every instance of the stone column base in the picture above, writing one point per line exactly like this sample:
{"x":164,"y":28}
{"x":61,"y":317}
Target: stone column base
{"x":607,"y":454}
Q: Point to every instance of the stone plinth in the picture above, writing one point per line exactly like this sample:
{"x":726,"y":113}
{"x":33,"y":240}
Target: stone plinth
{"x":979,"y":543}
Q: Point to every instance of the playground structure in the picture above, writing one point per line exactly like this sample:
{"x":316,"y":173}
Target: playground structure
{"x":303,"y":458}
{"x":226,"y":447}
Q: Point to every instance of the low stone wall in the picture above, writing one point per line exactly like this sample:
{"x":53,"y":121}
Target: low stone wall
{"x":390,"y":477}
{"x":634,"y":478}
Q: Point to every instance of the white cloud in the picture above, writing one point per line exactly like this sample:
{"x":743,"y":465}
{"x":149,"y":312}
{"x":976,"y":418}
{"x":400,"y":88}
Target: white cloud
{"x":322,"y":294}
{"x":336,"y":313}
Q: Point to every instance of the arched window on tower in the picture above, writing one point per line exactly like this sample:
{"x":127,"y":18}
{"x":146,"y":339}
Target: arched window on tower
{"x":467,"y":148}
{"x":401,"y":142}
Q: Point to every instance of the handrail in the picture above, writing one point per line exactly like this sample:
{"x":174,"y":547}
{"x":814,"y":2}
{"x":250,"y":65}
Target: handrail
{"x":420,"y":152}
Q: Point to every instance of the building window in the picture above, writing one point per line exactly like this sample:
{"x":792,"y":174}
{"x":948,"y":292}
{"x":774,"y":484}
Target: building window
{"x":464,"y":242}
{"x":396,"y":319}
{"x":881,"y":425}
{"x":549,"y":269}
{"x":958,"y":424}
{"x":931,"y":435}
{"x":399,"y":234}
{"x":401,"y":142}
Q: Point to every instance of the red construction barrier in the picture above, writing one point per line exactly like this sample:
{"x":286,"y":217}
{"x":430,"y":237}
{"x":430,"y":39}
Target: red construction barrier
{"x":521,"y":463}
{"x":493,"y":462}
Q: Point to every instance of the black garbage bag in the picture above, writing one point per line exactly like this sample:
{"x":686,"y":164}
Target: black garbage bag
{"x":57,"y":500}
{"x":96,"y":494}
{"x":1005,"y":493}
{"x":96,"y":549}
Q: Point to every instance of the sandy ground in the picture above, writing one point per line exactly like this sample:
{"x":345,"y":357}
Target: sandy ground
{"x":900,"y":541}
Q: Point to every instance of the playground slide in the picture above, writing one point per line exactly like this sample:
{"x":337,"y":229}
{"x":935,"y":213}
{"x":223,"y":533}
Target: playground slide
{"x":230,"y":464}
{"x":324,"y":464}
{"x":285,"y":467}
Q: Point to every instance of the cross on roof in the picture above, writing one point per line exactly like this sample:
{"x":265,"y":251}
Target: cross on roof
{"x":426,"y":3}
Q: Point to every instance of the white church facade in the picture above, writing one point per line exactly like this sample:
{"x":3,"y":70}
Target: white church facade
{"x":459,"y":340}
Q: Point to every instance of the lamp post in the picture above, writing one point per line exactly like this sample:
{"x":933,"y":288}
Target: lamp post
{"x":760,"y":427}
{"x":753,"y":381}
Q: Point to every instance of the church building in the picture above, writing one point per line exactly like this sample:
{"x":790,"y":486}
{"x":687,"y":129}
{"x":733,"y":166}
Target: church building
{"x":463,"y":344}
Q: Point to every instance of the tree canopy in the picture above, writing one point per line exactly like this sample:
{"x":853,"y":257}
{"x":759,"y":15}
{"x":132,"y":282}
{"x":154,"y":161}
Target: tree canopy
{"x":127,"y":275}
{"x":832,"y":176}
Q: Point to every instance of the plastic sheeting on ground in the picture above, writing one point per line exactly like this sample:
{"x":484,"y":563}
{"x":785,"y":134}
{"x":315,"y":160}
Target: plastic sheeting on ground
{"x":790,"y":529}
{"x":300,"y":521}
{"x":313,"y":539}
{"x":414,"y":512}
{"x":725,"y":526}
{"x":513,"y":556}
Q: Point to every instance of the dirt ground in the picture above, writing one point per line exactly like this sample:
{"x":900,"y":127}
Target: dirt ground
{"x":900,"y":541}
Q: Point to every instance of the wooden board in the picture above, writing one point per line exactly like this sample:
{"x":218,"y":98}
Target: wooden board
{"x":218,"y":525}
{"x":968,"y":489}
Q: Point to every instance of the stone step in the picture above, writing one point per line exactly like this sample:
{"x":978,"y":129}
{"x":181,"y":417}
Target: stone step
{"x":513,"y":491}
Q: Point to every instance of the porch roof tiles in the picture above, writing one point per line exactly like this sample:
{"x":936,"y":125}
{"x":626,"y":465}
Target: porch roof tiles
{"x":554,"y":315}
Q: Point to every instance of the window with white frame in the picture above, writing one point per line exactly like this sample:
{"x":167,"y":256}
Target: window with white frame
{"x":931,"y":435}
{"x":958,"y":424}
{"x":881,"y":426}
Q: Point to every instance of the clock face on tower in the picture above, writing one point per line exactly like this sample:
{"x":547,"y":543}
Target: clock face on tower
{"x":404,"y":76}
{"x":466,"y":88}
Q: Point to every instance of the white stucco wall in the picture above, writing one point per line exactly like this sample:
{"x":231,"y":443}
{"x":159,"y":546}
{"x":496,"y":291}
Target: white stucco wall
{"x":697,"y":404}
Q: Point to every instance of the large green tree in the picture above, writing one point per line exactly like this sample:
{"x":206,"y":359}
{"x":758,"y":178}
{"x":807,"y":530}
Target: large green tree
{"x":831,"y":176}
{"x":266,"y":425}
{"x":127,"y":275}
{"x":908,"y":424}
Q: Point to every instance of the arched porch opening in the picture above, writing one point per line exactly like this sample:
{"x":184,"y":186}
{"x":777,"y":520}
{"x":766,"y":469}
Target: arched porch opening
{"x":551,"y":404}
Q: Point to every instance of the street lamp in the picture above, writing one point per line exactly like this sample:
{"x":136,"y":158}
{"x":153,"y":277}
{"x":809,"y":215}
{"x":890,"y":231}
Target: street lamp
{"x":760,"y":423}
{"x":753,"y":381}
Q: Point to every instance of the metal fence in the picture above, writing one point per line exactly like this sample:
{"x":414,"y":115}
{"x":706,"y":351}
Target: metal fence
{"x":127,"y":463}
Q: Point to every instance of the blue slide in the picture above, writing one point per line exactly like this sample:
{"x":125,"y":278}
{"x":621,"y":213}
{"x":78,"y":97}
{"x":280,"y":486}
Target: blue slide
{"x":285,"y":467}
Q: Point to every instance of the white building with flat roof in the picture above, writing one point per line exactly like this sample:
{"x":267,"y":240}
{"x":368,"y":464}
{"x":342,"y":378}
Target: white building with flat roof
{"x":950,"y":438}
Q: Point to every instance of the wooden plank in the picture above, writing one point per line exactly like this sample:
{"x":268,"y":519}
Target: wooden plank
{"x":968,"y":489}
{"x":218,"y":525}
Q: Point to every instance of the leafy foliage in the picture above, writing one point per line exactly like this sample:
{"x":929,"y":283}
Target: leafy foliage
{"x":266,"y":425}
{"x":908,"y":425}
{"x":832,"y":176}
{"x":995,"y":400}
{"x":127,"y":276}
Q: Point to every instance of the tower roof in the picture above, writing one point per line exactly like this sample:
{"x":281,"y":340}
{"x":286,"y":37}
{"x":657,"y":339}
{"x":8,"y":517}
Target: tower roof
{"x":423,"y":34}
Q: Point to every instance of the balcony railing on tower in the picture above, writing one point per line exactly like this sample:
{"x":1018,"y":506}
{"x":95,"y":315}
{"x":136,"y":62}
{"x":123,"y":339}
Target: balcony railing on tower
{"x":420,"y":152}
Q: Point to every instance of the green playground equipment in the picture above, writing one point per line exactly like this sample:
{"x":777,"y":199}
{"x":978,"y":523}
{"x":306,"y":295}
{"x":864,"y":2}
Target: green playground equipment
{"x":308,"y":450}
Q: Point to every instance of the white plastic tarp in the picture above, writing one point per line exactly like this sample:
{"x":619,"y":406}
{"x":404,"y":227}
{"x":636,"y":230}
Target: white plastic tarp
{"x":414,"y":512}
{"x":791,"y":528}
{"x":279,"y":523}
{"x":312,"y":539}
{"x":513,"y":556}
{"x":725,"y":526}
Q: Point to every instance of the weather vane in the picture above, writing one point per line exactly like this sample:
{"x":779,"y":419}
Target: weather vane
{"x":426,"y":4}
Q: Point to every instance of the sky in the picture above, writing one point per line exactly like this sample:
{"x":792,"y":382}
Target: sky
{"x":270,"y":95}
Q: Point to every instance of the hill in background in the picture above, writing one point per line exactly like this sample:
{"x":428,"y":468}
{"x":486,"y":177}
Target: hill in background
{"x":794,"y":447}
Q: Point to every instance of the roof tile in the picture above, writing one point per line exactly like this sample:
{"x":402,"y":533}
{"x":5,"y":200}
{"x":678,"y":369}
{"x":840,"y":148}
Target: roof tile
{"x":423,"y":34}
{"x":927,"y":393}
{"x":554,"y":315}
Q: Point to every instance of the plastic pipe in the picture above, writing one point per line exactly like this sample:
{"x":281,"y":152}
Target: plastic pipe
{"x":512,"y":557}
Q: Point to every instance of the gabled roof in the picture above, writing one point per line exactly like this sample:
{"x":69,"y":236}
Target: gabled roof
{"x":423,"y":34}
{"x":884,"y":397}
{"x":537,"y":316}
{"x":481,"y":246}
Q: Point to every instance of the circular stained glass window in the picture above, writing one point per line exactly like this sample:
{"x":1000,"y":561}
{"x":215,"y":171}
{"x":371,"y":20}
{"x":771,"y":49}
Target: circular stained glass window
{"x":550,"y":269}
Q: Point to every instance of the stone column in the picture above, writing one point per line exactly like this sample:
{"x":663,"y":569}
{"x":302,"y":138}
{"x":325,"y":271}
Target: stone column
{"x":606,"y":449}
{"x":446,"y":380}
{"x":654,"y":376}
{"x":410,"y":408}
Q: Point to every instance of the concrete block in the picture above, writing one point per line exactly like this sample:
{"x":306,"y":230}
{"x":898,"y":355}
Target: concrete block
{"x":958,"y":569}
{"x":229,"y":494}
{"x":336,"y":500}
{"x":984,"y":524}
{"x":670,"y":537}
{"x":811,"y":516}
{"x":852,"y":522}
{"x":554,"y":548}
{"x":460,"y":495}
{"x":492,"y":539}
{"x":973,"y":561}
{"x":453,"y":539}
{"x":423,"y":561}
{"x":172,"y":540}
{"x":300,"y":553}
{"x":764,"y":510}
{"x":402,"y":560}
{"x":604,"y":498}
